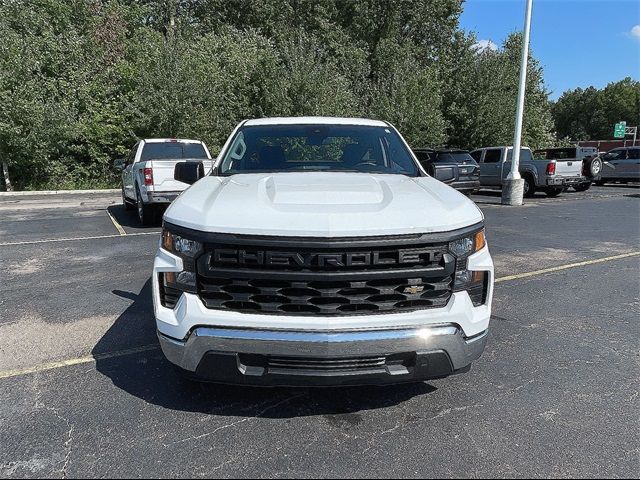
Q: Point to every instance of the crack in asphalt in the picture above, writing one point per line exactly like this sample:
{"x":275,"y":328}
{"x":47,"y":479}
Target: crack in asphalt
{"x":447,"y":411}
{"x":233,"y":424}
{"x":40,"y":405}
{"x":68,"y":442}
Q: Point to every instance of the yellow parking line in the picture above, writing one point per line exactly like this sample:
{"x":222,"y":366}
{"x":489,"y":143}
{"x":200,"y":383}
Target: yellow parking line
{"x":116,"y":224}
{"x":564,"y":267}
{"x":75,"y":361}
{"x":121,"y":353}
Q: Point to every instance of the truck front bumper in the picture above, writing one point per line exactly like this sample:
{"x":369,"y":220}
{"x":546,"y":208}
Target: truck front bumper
{"x":259,"y":349}
{"x":298,"y":358}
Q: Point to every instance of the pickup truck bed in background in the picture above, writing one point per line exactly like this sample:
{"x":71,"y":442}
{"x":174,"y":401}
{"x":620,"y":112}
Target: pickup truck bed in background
{"x":148,"y":173}
{"x":567,"y":156}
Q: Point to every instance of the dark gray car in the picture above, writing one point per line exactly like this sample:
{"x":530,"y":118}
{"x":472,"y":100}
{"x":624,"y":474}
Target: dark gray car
{"x":454,"y":167}
{"x":620,"y":165}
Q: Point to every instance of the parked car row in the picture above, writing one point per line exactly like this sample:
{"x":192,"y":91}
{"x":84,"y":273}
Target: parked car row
{"x":148,"y":181}
{"x":551,"y":170}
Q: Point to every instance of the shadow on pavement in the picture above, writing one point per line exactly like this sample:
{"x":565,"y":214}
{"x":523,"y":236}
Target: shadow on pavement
{"x":149,"y":376}
{"x":498,"y":194}
{"x":129,"y":219}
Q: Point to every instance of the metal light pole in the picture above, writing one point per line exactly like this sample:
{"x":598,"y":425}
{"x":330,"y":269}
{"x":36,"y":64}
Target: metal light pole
{"x":513,"y":186}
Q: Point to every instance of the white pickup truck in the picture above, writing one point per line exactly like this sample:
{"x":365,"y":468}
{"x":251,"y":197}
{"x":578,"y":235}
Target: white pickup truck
{"x":319,"y":252}
{"x":148,"y":173}
{"x":549,"y":176}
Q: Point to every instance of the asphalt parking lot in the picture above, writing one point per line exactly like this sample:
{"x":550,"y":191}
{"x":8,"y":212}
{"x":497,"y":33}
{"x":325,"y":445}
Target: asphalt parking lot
{"x":85,"y":391}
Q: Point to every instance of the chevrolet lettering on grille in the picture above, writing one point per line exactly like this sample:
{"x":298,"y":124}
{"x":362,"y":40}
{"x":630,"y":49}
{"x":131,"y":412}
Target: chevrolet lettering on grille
{"x":245,"y":258}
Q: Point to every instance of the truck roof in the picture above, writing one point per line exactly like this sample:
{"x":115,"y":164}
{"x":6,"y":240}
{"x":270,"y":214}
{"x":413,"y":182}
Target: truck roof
{"x":316,"y":121}
{"x":441,"y":150}
{"x":501,"y":146}
{"x":162,"y":140}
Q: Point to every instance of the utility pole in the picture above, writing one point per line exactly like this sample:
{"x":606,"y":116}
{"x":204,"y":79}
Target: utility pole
{"x":513,"y":185}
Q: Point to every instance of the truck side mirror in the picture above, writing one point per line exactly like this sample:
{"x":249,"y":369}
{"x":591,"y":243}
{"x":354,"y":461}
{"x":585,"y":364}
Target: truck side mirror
{"x":119,"y":163}
{"x":188,"y":172}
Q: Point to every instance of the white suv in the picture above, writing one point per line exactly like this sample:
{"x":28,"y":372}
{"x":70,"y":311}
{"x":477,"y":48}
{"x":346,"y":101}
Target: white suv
{"x":318,"y":252}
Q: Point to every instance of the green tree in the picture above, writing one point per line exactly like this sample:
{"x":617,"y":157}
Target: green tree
{"x":82,"y":80}
{"x":315,"y":84}
{"x":480,"y":101}
{"x":407,"y":95}
{"x":590,"y":114}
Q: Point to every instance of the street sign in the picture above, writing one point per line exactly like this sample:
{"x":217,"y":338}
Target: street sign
{"x":618,"y":130}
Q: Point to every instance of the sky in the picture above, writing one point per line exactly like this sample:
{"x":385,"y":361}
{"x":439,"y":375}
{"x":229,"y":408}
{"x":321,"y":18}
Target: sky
{"x":578,"y":42}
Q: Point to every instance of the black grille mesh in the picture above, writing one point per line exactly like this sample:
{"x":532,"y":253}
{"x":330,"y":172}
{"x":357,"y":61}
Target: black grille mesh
{"x":324,"y":297}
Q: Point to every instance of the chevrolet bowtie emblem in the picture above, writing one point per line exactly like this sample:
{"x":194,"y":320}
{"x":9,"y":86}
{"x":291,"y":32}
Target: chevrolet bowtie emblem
{"x":413,"y":289}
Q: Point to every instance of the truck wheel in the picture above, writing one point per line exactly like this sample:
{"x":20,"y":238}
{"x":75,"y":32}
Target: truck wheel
{"x":596,"y":167}
{"x":146,"y":213}
{"x":582,"y":187}
{"x":529,"y":186}
{"x":126,"y":202}
{"x":553,"y":192}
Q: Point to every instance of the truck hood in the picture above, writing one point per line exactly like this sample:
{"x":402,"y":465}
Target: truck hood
{"x":322,"y":204}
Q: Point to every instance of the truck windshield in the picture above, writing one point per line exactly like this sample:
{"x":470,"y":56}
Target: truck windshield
{"x":172,"y":151}
{"x":333,"y":148}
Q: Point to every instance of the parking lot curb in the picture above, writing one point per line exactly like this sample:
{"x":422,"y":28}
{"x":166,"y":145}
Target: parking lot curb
{"x":57,"y":192}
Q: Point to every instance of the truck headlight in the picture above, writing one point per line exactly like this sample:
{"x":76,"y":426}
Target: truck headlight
{"x":475,"y":283}
{"x":465,"y":246}
{"x":179,"y":245}
{"x":185,"y":281}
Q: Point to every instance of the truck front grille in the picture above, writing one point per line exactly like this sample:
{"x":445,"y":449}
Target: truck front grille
{"x":326,"y":277}
{"x":324,"y":297}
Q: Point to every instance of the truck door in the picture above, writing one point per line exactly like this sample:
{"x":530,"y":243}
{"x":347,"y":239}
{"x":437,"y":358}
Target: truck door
{"x":526,"y":157}
{"x":614,"y":163}
{"x":491,"y":167}
{"x":127,"y":173}
{"x":632,"y":170}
